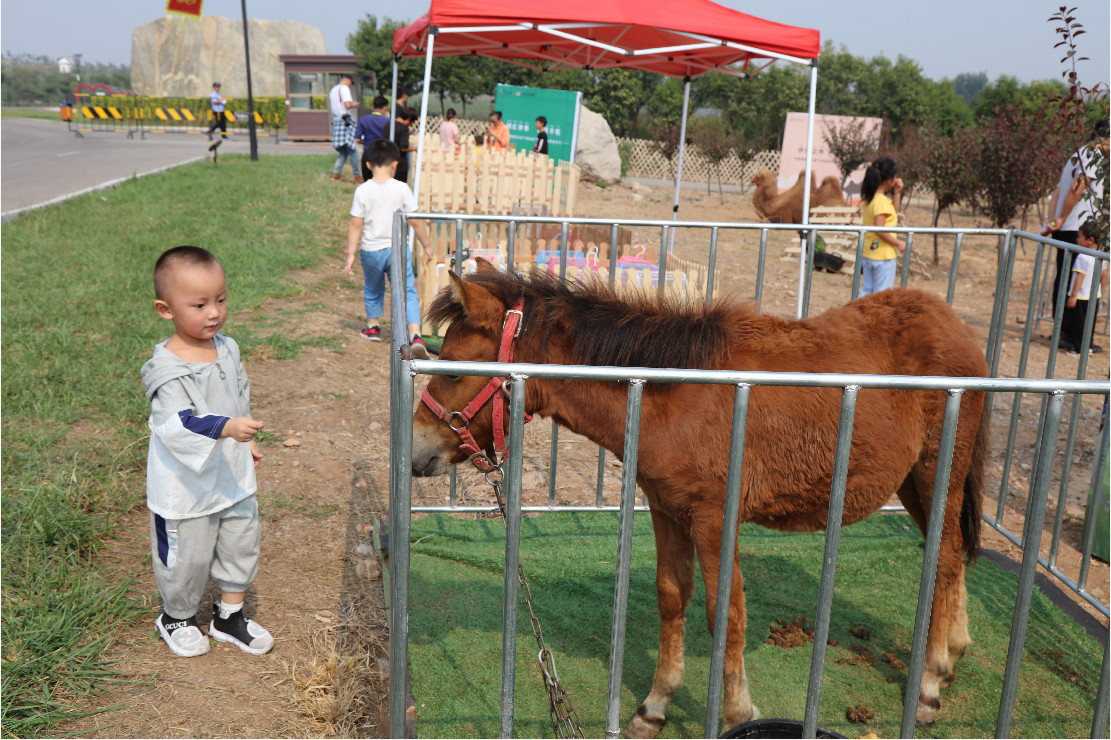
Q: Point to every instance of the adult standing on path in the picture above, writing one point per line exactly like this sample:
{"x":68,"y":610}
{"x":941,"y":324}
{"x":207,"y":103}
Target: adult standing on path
{"x":343,"y":128}
{"x":405,"y":118}
{"x":449,"y":130}
{"x":217,"y":103}
{"x":497,"y":133}
{"x":1068,"y":209}
{"x":881,"y":248}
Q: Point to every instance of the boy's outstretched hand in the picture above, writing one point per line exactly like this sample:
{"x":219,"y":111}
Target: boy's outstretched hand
{"x":256,"y":453}
{"x":241,"y":428}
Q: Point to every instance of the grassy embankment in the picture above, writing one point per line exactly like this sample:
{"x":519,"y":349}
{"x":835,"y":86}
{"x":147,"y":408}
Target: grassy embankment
{"x":78,"y":324}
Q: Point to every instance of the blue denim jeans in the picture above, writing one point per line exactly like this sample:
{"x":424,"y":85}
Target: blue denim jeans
{"x":376,"y":268}
{"x":876,"y":275}
{"x":351,"y":155}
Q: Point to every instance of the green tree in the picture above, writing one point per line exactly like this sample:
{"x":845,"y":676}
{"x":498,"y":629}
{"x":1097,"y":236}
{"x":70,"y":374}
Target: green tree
{"x":1018,"y":161}
{"x":762,"y":103}
{"x":619,"y":94}
{"x":839,"y":73}
{"x":1007,"y":91}
{"x":372,"y":42}
{"x":968,"y":84}
{"x":949,"y":168}
{"x":850,"y":145}
{"x":462,"y":78}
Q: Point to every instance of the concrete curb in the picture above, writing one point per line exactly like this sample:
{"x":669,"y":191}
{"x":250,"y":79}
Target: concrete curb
{"x":16,"y":213}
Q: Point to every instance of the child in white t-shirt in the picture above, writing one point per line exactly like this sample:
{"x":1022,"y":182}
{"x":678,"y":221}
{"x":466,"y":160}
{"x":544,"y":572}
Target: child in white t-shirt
{"x":369,"y":233}
{"x":1078,"y":303}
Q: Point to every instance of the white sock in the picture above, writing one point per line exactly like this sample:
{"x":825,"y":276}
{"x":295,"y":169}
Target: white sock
{"x":226,"y":610}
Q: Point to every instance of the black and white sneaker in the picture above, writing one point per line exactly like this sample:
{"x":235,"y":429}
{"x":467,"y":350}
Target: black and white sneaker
{"x":182,"y":635}
{"x":248,"y":636}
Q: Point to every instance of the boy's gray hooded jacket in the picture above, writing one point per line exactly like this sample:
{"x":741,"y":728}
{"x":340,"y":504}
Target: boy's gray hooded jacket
{"x":191,"y":472}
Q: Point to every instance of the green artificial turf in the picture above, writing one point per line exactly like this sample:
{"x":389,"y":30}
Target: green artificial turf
{"x":456,"y":617}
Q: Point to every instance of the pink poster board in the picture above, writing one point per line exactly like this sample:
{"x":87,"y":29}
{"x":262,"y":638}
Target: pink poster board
{"x":792,"y":159}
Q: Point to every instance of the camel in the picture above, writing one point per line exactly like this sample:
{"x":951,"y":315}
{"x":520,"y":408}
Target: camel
{"x":786,"y":207}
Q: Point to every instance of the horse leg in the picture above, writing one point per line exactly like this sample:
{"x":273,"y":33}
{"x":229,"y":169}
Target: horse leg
{"x":674,"y":586}
{"x":948,"y":635}
{"x":737,"y":703}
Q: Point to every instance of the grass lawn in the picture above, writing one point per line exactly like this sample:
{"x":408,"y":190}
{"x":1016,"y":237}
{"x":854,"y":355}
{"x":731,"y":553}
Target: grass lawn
{"x":78,"y":324}
{"x":456,"y":612}
{"x":45,"y":115}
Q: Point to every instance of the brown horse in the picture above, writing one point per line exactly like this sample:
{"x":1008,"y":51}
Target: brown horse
{"x":685,"y":431}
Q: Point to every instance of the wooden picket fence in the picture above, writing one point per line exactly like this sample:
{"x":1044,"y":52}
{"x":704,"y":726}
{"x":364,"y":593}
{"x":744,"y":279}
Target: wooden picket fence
{"x":589,"y":258}
{"x":466,"y":179}
{"x":642,"y":158}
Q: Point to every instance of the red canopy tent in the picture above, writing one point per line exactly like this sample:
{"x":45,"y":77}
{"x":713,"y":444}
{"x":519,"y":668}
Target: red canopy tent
{"x":683,"y":39}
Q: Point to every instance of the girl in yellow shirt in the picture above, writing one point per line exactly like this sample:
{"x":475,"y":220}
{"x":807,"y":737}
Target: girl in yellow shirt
{"x":880,"y":256}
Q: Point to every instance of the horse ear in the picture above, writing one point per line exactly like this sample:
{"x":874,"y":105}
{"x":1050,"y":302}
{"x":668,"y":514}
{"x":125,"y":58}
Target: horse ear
{"x":484,"y":265}
{"x":480,"y":305}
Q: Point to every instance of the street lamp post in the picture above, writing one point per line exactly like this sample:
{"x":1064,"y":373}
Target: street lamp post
{"x":250,"y":95}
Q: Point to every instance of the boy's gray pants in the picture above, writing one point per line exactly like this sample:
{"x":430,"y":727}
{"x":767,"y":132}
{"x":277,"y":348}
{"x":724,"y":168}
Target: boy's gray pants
{"x":224,"y":545}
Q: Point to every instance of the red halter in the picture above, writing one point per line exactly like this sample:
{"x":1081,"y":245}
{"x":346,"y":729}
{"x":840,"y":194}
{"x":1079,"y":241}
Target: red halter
{"x":511,"y":328}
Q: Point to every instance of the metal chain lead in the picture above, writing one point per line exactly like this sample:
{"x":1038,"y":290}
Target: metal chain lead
{"x":565,"y":720}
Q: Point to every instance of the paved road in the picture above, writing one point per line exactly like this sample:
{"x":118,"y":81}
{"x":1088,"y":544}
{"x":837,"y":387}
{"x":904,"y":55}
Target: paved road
{"x":42,"y":160}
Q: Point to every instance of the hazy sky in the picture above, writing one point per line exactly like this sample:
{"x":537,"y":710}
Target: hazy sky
{"x":946,"y":37}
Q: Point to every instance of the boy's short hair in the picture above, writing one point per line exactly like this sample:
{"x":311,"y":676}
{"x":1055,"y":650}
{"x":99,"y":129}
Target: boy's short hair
{"x":1089,"y":228}
{"x":542,"y":119}
{"x":479,"y":139}
{"x":379,"y":102}
{"x":409,"y":114}
{"x":176,"y":257}
{"x":381,"y":153}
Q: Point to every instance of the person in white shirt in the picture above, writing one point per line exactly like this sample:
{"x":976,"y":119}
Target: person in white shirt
{"x":1067,"y":207}
{"x":370,"y":232}
{"x":343,"y":128}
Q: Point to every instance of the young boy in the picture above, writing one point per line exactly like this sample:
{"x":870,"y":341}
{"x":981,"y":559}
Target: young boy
{"x":201,"y":462}
{"x":541,"y":145}
{"x":1077,"y":304}
{"x":369,"y":233}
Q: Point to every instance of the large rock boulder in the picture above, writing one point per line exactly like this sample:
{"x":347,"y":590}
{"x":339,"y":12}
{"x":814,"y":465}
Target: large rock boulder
{"x":172,"y":57}
{"x":596,"y":148}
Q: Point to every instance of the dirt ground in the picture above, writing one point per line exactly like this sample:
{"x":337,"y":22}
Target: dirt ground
{"x":324,"y":479}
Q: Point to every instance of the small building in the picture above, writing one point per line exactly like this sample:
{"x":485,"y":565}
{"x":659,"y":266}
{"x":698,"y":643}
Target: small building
{"x":308,"y":79}
{"x":65,"y":66}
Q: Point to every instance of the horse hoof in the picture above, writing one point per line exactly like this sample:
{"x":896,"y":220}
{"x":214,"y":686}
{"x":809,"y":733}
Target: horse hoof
{"x":645,"y":725}
{"x":948,"y":681}
{"x":927,"y":711}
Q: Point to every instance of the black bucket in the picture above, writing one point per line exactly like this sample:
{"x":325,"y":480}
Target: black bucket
{"x":775,"y":729}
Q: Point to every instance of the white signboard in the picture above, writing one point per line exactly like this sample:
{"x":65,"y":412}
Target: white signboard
{"x":792,"y":159}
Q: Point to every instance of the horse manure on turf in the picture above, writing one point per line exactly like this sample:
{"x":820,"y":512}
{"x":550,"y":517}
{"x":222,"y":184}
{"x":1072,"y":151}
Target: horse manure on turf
{"x":894,"y":662}
{"x":863,"y":656}
{"x":862,"y":633}
{"x":791,"y":634}
{"x":859,"y":714}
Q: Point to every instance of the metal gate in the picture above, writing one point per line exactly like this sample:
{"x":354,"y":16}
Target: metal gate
{"x":1053,"y":393}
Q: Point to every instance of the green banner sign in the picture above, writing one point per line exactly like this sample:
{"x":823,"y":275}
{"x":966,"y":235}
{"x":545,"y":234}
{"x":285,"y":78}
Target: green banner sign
{"x":520,"y":107}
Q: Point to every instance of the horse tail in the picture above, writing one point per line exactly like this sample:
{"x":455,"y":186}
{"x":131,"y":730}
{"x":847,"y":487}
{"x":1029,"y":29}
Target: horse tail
{"x":971,"y":518}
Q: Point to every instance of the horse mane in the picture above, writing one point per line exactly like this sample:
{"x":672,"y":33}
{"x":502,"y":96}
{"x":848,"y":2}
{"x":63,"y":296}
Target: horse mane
{"x":638,"y":330}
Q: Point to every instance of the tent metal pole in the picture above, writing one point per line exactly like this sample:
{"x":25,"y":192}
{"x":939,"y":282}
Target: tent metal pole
{"x":802,"y":310}
{"x":423,"y":111}
{"x":393,"y":93}
{"x":679,"y":168}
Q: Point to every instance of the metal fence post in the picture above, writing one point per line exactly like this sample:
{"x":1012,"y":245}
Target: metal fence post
{"x":926,"y":585}
{"x":514,"y":466}
{"x":728,"y":548}
{"x":624,"y":556}
{"x":1029,"y":564}
{"x":829,"y":558}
